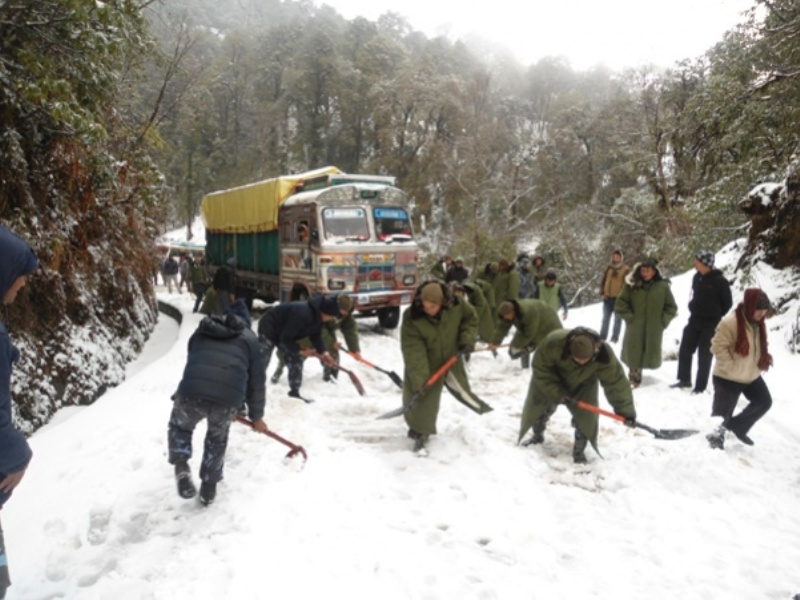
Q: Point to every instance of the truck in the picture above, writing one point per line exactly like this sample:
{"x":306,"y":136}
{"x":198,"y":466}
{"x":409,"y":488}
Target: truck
{"x":323,"y":231}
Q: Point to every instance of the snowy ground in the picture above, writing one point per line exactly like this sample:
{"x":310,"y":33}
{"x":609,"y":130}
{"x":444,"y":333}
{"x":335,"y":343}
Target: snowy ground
{"x":97,"y":515}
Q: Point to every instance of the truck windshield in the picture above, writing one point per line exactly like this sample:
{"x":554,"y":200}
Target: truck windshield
{"x":390,"y":222}
{"x":348,"y":223}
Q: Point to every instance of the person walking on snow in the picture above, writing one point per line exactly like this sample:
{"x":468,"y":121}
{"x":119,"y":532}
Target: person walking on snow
{"x":224,"y":371}
{"x":710,"y":301}
{"x":610,"y":287}
{"x":647,"y":306}
{"x":741,"y":351}
{"x":435,"y":327}
{"x":17,"y":261}
{"x":568,"y":366}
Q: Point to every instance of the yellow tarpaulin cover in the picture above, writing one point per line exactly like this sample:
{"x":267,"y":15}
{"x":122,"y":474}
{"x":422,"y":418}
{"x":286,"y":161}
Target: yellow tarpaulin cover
{"x":253,"y":207}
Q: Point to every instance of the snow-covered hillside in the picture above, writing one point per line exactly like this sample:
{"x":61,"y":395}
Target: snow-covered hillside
{"x":97,"y":515}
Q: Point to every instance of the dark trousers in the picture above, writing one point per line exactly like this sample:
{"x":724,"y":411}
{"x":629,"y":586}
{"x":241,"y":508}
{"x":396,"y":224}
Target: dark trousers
{"x":696,"y":338}
{"x":293,"y":360}
{"x":199,"y":289}
{"x":726,"y":395}
{"x":186,"y":414}
{"x":608,"y":311}
{"x":5,"y":580}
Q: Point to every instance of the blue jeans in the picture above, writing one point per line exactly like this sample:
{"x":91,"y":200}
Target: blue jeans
{"x":608,"y":310}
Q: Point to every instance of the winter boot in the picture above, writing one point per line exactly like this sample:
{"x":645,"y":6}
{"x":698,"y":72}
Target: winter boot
{"x":183,"y":477}
{"x":276,"y":377}
{"x":420,"y":442}
{"x":743,"y":437}
{"x":578,"y":450}
{"x":635,"y":377}
{"x":208,"y":491}
{"x":538,"y":433}
{"x":716,"y":439}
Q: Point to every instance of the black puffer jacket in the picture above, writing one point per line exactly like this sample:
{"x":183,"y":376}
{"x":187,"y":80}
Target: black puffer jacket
{"x":225,"y":364}
{"x":711,"y":298}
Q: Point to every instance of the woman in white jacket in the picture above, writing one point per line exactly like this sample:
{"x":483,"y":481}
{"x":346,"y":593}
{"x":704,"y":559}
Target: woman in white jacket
{"x":740,"y":348}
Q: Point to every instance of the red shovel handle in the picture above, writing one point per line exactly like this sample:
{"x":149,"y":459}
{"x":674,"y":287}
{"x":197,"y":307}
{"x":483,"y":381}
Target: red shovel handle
{"x":294,"y":448}
{"x":442,"y":370}
{"x":599,"y":411}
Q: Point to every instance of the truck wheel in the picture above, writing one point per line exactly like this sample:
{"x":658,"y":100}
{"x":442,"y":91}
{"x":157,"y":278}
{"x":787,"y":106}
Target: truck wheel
{"x":389,"y":317}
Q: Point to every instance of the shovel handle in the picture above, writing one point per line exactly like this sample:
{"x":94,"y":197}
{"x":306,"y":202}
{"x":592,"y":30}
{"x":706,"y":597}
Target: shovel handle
{"x":360,"y":358}
{"x":599,"y":411}
{"x":293,"y":448}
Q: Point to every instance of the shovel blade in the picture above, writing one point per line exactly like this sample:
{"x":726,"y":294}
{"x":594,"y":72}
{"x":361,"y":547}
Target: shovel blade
{"x":397,"y":379}
{"x":393,"y":413}
{"x":674,"y":434}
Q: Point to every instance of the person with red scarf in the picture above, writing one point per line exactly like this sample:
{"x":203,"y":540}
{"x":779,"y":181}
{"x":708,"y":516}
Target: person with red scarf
{"x":742,"y":355}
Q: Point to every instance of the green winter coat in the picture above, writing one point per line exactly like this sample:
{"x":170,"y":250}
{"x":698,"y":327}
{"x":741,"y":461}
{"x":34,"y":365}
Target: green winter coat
{"x":488,"y":292}
{"x":506,"y":286}
{"x":556,"y":375}
{"x":647,"y":308}
{"x":427,"y":343}
{"x":533,"y":320}
{"x":486,"y":330}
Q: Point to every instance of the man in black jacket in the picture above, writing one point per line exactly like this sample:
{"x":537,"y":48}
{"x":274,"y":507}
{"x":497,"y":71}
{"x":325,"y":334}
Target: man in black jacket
{"x":284,"y":325}
{"x":224,"y":370}
{"x":711,"y":300}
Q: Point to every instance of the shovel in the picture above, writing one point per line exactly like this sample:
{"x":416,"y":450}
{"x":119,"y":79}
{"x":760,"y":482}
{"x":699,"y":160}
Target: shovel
{"x":661,"y":434}
{"x":392,"y":375}
{"x":333,"y":364}
{"x":294,"y":448}
{"x":425,"y":386}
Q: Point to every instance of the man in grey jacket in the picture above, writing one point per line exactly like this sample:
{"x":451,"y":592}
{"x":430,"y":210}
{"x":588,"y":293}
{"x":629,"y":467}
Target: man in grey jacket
{"x":225,"y":370}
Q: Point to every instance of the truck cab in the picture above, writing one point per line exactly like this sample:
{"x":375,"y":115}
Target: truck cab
{"x":355,"y":238}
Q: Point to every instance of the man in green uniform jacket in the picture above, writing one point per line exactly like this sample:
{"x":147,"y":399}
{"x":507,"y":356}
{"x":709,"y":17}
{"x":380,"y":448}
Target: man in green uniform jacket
{"x":647,"y":305}
{"x":568,"y":366}
{"x":533,"y":320}
{"x":349,"y":328}
{"x":435,"y":327}
{"x":485,"y":312}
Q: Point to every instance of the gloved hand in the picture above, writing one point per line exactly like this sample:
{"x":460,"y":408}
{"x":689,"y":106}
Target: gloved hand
{"x":466,"y":348}
{"x":629,"y":421}
{"x":566,"y":400}
{"x":515,"y":352}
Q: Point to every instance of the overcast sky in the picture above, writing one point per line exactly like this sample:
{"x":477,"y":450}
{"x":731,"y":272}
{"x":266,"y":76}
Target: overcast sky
{"x":617,"y":33}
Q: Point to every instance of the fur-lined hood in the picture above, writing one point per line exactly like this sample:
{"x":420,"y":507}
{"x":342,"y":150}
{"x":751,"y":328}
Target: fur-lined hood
{"x":634,"y":278}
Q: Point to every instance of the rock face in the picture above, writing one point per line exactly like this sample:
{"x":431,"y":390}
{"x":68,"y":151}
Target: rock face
{"x":774,"y":211}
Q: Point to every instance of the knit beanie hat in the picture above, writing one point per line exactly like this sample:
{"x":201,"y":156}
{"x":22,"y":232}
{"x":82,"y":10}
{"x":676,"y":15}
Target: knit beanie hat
{"x":706,"y":257}
{"x":345,"y":302}
{"x":581,"y":346}
{"x":432,"y":292}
